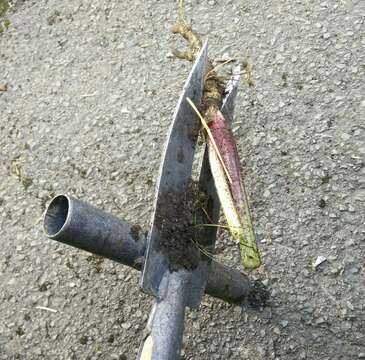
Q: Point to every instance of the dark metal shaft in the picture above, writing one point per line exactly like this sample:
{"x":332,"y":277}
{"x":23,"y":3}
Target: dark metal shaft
{"x":81,"y":225}
{"x":76,"y":223}
{"x":166,"y":324}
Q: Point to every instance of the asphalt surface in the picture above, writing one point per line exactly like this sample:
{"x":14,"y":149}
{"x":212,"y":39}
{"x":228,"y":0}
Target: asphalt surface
{"x":91,"y":87}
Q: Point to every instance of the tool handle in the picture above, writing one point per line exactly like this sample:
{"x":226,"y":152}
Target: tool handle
{"x":166,"y":323}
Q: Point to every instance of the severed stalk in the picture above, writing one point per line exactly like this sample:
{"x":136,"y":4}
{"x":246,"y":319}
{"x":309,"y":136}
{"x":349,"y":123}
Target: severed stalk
{"x":222,"y":150}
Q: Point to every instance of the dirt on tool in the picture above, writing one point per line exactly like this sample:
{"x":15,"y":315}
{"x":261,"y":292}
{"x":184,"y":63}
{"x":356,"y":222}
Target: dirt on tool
{"x":178,"y":235}
{"x":135,"y":231}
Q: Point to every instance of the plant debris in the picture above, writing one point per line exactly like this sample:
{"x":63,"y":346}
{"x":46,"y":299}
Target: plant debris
{"x":4,"y":6}
{"x":214,"y":86}
{"x":96,"y":262}
{"x":54,"y":18}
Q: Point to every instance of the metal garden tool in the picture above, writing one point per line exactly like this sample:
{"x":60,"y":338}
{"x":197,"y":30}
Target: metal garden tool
{"x":175,"y":269}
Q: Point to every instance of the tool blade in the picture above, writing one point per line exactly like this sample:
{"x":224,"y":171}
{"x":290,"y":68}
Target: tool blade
{"x":175,"y":173}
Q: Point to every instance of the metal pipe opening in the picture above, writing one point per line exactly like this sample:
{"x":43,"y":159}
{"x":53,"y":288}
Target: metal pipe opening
{"x":56,"y":215}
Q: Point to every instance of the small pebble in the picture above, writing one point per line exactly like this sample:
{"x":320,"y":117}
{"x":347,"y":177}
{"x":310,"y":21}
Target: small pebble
{"x":126,"y":325}
{"x":320,"y":259}
{"x":284,"y":323}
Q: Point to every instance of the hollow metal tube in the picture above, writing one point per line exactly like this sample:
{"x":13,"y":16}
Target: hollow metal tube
{"x":81,"y":225}
{"x":78,"y":224}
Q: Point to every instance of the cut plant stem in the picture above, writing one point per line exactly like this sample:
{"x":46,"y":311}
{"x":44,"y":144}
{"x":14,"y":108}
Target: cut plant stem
{"x":222,"y":150}
{"x":232,"y":195}
{"x":206,"y":127}
{"x":225,"y":167}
